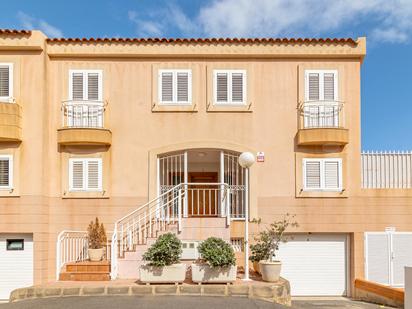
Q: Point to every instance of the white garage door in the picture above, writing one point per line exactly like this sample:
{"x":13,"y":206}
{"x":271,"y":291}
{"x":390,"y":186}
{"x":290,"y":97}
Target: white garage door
{"x":315,"y":264}
{"x":16,"y":262}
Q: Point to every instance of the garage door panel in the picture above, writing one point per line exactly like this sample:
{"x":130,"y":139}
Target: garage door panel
{"x":315,"y":264}
{"x":16,"y":266}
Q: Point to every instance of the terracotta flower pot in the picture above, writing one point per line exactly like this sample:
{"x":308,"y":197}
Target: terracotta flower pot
{"x":96,"y":255}
{"x":256,"y":267}
{"x":270,"y":270}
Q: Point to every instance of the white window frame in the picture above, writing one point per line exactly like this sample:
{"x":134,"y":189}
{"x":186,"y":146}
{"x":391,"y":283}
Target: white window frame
{"x":322,"y":174}
{"x":85,"y":83}
{"x":321,"y":84}
{"x":10,"y":159}
{"x":85,"y":175}
{"x":174,"y":80}
{"x":229,"y":85}
{"x":10,"y":98}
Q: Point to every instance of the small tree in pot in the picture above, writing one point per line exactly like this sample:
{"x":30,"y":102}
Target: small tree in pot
{"x":267,"y":243}
{"x":97,"y":240}
{"x":163,"y":259}
{"x":217,"y":263}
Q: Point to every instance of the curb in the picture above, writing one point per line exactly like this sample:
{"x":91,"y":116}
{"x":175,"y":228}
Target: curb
{"x":277,"y":293}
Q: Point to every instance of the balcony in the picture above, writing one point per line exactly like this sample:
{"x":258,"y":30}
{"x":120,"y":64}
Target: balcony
{"x":322,"y":123}
{"x":10,"y":122}
{"x":83,"y":124}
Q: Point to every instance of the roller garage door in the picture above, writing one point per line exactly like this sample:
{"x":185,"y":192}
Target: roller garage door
{"x":315,"y":264}
{"x":16,"y":262}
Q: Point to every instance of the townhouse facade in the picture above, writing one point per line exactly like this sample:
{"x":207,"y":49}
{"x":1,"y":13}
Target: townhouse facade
{"x":99,"y":127}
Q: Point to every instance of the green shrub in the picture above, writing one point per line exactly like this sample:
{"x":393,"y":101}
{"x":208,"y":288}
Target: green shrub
{"x":217,"y":253}
{"x":165,"y":251}
{"x":96,"y":235}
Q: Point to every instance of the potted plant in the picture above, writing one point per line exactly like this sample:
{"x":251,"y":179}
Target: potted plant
{"x":259,"y":251}
{"x":267,"y":243}
{"x":97,"y":240}
{"x":163,"y":261}
{"x":217,"y":263}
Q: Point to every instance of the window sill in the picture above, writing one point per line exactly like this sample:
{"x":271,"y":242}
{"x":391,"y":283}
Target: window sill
{"x":321,"y":194}
{"x":168,"y":107}
{"x":233,"y":108}
{"x":85,"y":194}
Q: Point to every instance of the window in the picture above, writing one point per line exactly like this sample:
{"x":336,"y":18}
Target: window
{"x":321,"y":85}
{"x":85,"y":85}
{"x":230,"y":86}
{"x":6,"y":82}
{"x":6,"y":171}
{"x":15,"y":244}
{"x":322,"y":174}
{"x":85,"y":174}
{"x":175,"y":86}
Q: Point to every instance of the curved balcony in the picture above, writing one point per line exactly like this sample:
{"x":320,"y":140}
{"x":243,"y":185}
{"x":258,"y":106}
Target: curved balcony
{"x":322,"y":123}
{"x":10,"y":122}
{"x":83,"y":124}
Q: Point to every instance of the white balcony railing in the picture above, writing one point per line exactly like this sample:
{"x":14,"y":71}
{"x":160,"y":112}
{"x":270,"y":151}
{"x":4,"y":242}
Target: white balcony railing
{"x":83,"y":114}
{"x":321,"y":114}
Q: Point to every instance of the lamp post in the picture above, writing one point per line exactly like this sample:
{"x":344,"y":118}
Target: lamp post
{"x":246,"y":160}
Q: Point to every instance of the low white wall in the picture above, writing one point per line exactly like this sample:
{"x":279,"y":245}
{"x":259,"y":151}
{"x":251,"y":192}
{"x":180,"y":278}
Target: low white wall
{"x":408,"y":287}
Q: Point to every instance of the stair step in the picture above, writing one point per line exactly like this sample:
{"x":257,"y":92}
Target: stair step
{"x":90,"y":276}
{"x":88,"y":267}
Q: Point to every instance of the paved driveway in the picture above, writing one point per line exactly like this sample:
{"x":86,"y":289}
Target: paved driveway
{"x":173,"y":302}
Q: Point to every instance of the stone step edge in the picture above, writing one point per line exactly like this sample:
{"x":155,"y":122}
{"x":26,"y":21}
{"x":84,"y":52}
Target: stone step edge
{"x":276,"y":293}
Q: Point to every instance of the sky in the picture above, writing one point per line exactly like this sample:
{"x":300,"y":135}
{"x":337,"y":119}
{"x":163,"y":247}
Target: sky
{"x":387,"y":24}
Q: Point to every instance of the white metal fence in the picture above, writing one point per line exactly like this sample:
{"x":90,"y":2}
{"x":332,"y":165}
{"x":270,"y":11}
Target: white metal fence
{"x":83,"y":114}
{"x":321,"y":114}
{"x":386,"y":170}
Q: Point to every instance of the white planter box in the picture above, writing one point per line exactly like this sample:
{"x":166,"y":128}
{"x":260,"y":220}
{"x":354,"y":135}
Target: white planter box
{"x":205,"y":273}
{"x":168,"y":274}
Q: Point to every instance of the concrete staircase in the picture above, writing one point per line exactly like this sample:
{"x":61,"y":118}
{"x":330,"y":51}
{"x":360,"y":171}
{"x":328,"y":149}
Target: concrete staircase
{"x":86,"y":271}
{"x":193,"y":229}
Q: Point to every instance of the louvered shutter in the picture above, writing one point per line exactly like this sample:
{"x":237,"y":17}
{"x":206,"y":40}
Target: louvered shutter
{"x":94,"y":174}
{"x":4,"y":81}
{"x":329,"y":86}
{"x":331,"y":171}
{"x":237,"y":87}
{"x":4,"y":172}
{"x":167,"y":87}
{"x":222,"y":87}
{"x":93,"y":86}
{"x":182,"y":87}
{"x":378,"y":265}
{"x":313,"y":87}
{"x":312,"y":174}
{"x":77,"y":86}
{"x":77,"y":174}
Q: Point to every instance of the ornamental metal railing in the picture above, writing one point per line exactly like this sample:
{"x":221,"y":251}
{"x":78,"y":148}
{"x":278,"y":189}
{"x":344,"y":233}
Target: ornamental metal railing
{"x":321,"y":114}
{"x":83,"y":114}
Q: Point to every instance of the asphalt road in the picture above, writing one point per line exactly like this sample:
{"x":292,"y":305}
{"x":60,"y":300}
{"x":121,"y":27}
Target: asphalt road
{"x":173,"y":302}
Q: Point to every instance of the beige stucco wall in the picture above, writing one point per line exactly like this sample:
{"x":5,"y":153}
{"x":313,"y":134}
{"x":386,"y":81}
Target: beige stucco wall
{"x":141,"y":130}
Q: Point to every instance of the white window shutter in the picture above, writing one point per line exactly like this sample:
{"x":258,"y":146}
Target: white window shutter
{"x":77,"y":86}
{"x":331,"y":174}
{"x":237,"y":87}
{"x":5,"y":172}
{"x":94,"y":174}
{"x":182,"y":86}
{"x":4,"y":81}
{"x":167,"y":87}
{"x":93,"y":86}
{"x":313,"y":86}
{"x":329,"y":86}
{"x":76,"y":174}
{"x":312,"y":174}
{"x":222,"y":87}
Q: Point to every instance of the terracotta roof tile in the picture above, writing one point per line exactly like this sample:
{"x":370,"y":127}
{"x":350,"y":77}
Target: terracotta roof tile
{"x":208,"y":40}
{"x":15,"y":32}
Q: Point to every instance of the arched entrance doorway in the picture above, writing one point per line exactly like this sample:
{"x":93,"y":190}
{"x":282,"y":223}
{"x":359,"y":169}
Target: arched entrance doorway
{"x":213,"y":181}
